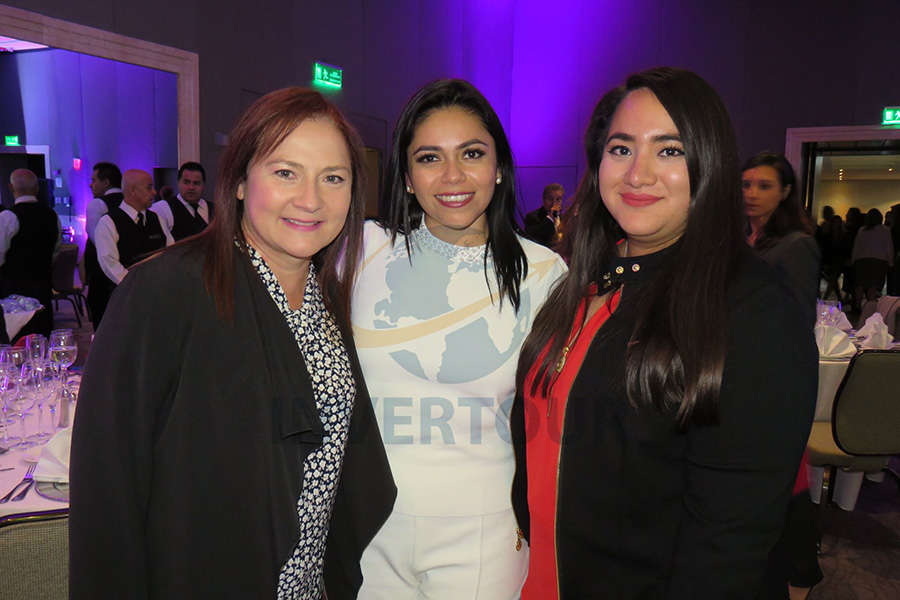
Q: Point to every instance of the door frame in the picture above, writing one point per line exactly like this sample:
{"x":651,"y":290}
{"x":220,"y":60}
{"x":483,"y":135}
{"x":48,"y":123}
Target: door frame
{"x":797,"y":136}
{"x":56,"y":33}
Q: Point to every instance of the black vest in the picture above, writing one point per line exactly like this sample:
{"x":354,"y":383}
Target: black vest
{"x":136,"y":244}
{"x":185,"y":224}
{"x":112,"y":200}
{"x":30,"y":254}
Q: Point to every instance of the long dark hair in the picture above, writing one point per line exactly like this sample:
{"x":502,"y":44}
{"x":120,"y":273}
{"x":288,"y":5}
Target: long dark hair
{"x":789,"y":216}
{"x":676,"y":353}
{"x":404,"y":211}
{"x":259,"y":130}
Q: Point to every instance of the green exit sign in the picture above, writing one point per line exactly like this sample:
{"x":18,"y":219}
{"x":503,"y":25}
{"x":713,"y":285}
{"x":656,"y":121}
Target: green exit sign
{"x":12,"y":140}
{"x":328,"y":75}
{"x":891,"y":115}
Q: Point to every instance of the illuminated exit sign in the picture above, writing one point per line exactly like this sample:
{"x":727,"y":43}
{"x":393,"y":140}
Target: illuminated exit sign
{"x":328,"y":75}
{"x":891,"y":115}
{"x":12,"y":140}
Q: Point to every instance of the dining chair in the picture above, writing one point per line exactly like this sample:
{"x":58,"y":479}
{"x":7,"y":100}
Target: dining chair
{"x":865,"y":420}
{"x":63,"y":278}
{"x":35,"y":551}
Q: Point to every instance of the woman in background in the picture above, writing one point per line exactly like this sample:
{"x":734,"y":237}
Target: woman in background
{"x":222,"y":421}
{"x":445,"y":296}
{"x":779,"y":229}
{"x":780,"y":233}
{"x":668,"y":384}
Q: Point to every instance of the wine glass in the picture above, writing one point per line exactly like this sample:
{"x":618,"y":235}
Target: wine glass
{"x":23,"y":399}
{"x":63,"y":351}
{"x":45,"y":390}
{"x":12,"y":358}
{"x":7,"y":376}
{"x":35,"y":347}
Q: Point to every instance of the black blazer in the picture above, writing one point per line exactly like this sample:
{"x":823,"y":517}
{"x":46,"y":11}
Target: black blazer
{"x":645,"y":511}
{"x":188,"y":445}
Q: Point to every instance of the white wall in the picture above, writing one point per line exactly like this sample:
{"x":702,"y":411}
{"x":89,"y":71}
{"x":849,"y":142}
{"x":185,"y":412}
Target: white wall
{"x":863,"y":194}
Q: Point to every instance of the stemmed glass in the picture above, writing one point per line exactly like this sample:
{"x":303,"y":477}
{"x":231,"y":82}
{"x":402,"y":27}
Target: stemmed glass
{"x":45,"y":389}
{"x":23,"y":399}
{"x":12,"y":359}
{"x":63,"y":351}
{"x":35,"y":347}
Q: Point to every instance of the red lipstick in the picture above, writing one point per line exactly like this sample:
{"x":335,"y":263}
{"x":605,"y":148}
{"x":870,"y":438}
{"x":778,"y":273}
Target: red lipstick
{"x":639,"y":200}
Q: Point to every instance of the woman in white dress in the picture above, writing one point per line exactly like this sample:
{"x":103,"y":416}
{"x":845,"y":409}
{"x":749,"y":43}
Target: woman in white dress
{"x":444,"y":298}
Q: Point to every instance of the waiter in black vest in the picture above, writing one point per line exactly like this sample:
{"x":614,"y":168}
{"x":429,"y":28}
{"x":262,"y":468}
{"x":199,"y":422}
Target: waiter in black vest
{"x":29,"y":235}
{"x":127,"y":234}
{"x":187,"y":213}
{"x":106,"y":186}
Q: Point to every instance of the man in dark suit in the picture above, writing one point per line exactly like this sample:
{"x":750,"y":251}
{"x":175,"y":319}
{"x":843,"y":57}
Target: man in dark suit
{"x":29,"y":235}
{"x":127,"y":234}
{"x":106,"y":182}
{"x":541,"y":224}
{"x":187,"y":213}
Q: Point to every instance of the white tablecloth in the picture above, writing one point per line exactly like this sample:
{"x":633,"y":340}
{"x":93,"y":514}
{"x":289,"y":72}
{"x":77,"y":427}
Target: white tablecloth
{"x":831,"y":372}
{"x":19,"y":460}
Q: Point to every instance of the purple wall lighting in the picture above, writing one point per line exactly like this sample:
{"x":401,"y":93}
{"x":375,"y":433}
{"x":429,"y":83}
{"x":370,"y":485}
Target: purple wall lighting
{"x":89,"y":109}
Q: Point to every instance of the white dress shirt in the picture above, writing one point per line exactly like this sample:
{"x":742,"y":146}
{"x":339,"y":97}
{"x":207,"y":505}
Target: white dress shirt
{"x":9,"y":227}
{"x":106,"y":238}
{"x":96,"y":208}
{"x":167,"y":219}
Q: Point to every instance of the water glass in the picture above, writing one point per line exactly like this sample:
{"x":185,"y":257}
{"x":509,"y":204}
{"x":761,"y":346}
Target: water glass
{"x":63,"y":351}
{"x":45,"y":389}
{"x":19,"y":398}
{"x":35,"y":347}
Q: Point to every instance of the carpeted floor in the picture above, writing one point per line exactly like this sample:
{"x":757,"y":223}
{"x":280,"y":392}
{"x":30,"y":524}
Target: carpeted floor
{"x":861,"y":549}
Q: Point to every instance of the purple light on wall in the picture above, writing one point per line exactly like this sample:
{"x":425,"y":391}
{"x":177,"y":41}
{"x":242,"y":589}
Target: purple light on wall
{"x":89,"y":109}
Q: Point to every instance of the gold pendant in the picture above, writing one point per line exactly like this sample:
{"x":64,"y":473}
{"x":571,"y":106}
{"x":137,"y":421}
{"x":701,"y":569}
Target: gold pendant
{"x":562,"y":360}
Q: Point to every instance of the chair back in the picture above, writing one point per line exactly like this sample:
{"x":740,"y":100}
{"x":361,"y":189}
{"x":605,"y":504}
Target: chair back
{"x":64,"y":265}
{"x":35,"y":551}
{"x":865,"y":419}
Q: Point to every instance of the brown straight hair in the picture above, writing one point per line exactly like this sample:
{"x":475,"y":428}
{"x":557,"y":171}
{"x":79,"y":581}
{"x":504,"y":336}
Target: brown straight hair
{"x":789,"y":215}
{"x":259,"y":130}
{"x":676,"y":353}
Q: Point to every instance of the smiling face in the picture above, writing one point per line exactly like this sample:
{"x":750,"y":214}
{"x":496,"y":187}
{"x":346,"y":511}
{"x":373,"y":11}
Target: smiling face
{"x":452,"y":171}
{"x":643,"y":174}
{"x":296,"y":199}
{"x":762,"y":191}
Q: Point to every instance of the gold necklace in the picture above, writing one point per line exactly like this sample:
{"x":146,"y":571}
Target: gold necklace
{"x":561,"y":363}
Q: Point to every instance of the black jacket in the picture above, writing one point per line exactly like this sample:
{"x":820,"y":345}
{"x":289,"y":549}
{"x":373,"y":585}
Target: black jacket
{"x":644,"y":511}
{"x":540,"y":228}
{"x":189,"y":441}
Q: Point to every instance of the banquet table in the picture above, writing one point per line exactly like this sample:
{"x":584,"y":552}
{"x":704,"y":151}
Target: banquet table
{"x":848,"y":483}
{"x":831,"y":372}
{"x":18,"y":461}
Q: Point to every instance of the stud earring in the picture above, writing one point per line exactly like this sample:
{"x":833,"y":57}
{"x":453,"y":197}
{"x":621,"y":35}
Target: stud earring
{"x":409,"y":190}
{"x":499,"y":178}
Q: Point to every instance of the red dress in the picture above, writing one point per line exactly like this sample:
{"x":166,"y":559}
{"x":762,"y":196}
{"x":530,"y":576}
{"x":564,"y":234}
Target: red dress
{"x":543,"y":424}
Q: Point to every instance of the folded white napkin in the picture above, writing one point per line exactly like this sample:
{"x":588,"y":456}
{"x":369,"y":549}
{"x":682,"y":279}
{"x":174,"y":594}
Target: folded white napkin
{"x":874,"y":323}
{"x":843,"y":323}
{"x":880,"y":339}
{"x":833,"y":343}
{"x":54,"y":462}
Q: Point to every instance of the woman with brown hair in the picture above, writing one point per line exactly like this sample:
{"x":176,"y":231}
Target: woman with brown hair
{"x":667,"y":387}
{"x":224,"y":431}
